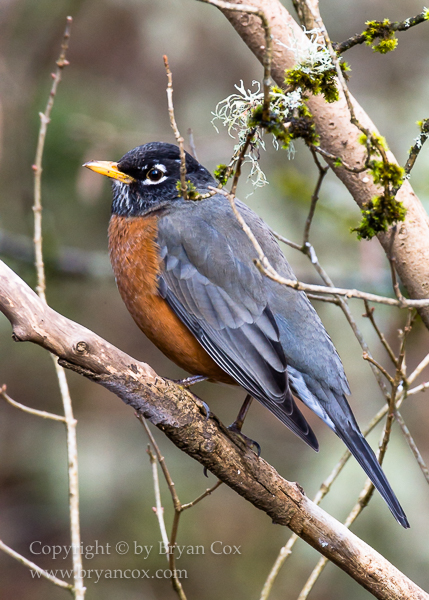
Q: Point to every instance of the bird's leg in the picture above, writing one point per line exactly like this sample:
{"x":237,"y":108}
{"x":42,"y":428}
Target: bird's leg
{"x":238,"y":424}
{"x":189,"y":381}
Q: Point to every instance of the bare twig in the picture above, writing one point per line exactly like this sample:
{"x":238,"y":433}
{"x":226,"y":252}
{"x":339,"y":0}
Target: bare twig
{"x":179,"y":138}
{"x":335,"y":159}
{"x":389,"y":378}
{"x":32,"y":411}
{"x":314,"y":199}
{"x":419,"y":388}
{"x":347,"y":293}
{"x":159,"y":509}
{"x":412,"y":445}
{"x":395,"y":283}
{"x":420,"y":367}
{"x":282,"y":556}
{"x":37,"y":167}
{"x":161,"y":460}
{"x":202,"y":496}
{"x":78,"y":588}
{"x":171,"y":545}
{"x":35,"y":568}
{"x":370,"y":315}
{"x":178,"y":506}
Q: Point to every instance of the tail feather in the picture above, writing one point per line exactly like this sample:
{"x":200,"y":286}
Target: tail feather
{"x":365,"y":456}
{"x":335,"y":411}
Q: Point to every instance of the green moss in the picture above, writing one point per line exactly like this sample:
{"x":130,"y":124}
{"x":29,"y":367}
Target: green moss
{"x":376,"y":139}
{"x":380,"y":30}
{"x":345,"y":68}
{"x":378,"y":214}
{"x":322,"y":82}
{"x":386,"y":46}
{"x":338,"y":162}
{"x":386,"y":173}
{"x":221,"y":174}
{"x":191,"y":190}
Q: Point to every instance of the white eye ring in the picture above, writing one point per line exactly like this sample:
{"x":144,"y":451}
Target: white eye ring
{"x":161,"y":169}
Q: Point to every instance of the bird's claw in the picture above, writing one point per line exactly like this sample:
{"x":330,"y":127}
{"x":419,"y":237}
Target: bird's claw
{"x":252,"y":444}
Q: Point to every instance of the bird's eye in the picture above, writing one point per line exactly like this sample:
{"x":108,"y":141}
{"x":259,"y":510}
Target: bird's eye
{"x":155,"y":174}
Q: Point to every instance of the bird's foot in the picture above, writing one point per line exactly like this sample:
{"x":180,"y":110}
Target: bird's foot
{"x":206,"y":408}
{"x":189,"y":381}
{"x":252,"y":444}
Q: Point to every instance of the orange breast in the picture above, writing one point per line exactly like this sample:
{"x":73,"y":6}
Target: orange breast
{"x":135,"y":262}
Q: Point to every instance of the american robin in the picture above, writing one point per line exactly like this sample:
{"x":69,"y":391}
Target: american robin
{"x":185,"y":271}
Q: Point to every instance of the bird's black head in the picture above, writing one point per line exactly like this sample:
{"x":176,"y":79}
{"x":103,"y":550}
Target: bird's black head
{"x":145,"y":178}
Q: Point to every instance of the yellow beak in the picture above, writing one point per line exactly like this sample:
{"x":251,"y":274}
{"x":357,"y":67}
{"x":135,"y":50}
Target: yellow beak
{"x":109,"y":169}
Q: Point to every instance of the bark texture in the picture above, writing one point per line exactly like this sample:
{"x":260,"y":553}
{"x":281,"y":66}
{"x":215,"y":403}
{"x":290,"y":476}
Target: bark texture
{"x":181,"y":416}
{"x":408,"y":242}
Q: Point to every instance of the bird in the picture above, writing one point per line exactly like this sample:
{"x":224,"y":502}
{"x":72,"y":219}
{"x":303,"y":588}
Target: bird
{"x":186,"y":272}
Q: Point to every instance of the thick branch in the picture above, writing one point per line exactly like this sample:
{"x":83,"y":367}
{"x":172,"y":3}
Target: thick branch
{"x":181,"y":416}
{"x":408,"y":243}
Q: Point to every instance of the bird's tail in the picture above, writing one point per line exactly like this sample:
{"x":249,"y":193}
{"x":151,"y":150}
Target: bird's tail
{"x":363,"y":453}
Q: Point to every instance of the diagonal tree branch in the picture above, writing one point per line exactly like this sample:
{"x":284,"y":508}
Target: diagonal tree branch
{"x":181,"y":416}
{"x":408,"y":242}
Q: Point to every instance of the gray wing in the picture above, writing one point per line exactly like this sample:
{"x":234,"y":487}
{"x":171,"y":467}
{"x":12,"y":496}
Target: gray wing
{"x":214,"y":288}
{"x":263,"y":334}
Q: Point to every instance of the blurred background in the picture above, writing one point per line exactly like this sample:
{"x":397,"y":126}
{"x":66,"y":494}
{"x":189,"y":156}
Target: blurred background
{"x":112,"y":98}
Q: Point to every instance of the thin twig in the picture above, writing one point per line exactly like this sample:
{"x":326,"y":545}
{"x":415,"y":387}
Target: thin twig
{"x":178,"y":506}
{"x":309,"y":251}
{"x":387,"y":375}
{"x":330,"y":299}
{"x":412,"y":445}
{"x":161,"y":460}
{"x":420,"y":388}
{"x":35,"y":568}
{"x":418,"y":145}
{"x":159,"y":509}
{"x":171,"y":545}
{"x":395,"y":283}
{"x":370,"y":315}
{"x":27,"y":409}
{"x":347,"y":293}
{"x":179,"y":138}
{"x":314,"y":198}
{"x":360,"y":38}
{"x":420,"y":367}
{"x":78,"y":588}
{"x":334,"y":158}
{"x":282,"y":556}
{"x":202,"y":496}
{"x":240,"y":159}
{"x":37,"y":167}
